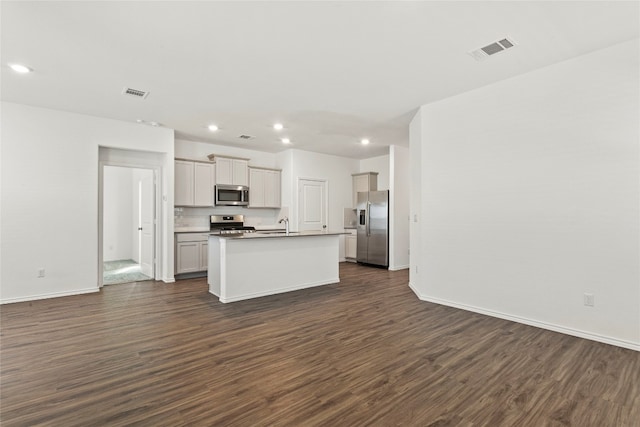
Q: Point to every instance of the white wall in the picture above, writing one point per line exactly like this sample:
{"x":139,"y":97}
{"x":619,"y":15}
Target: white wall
{"x":50,"y":198}
{"x":193,"y":150}
{"x":530,"y":197}
{"x":336,"y":170}
{"x":378,"y":164}
{"x":399,"y":207}
{"x":118,"y":213}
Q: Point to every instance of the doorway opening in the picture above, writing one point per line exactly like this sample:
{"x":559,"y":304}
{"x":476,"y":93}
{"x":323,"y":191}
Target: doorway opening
{"x":128,"y":221}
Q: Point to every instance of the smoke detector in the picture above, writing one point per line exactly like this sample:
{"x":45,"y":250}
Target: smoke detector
{"x":136,"y":93}
{"x":492,"y":49}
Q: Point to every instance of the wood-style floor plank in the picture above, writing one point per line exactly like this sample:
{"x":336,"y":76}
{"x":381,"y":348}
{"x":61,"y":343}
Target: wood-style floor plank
{"x":365,"y":351}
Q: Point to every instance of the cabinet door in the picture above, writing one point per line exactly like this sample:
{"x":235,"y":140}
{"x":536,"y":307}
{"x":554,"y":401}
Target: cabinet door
{"x":187,"y":257}
{"x":277,"y":197}
{"x":203,"y":184}
{"x":256,"y":188}
{"x":204,"y":255}
{"x":240,"y":172}
{"x":183,"y":195}
{"x":351,"y":246}
{"x":224,"y":168}
{"x":364,"y":182}
{"x":272,"y":189}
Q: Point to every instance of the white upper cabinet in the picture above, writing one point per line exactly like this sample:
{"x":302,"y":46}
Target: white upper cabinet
{"x":194,"y":183}
{"x":256,"y":188}
{"x":204,"y":175}
{"x":183,"y":183}
{"x":224,"y":170}
{"x":272,"y":188}
{"x":365,"y":181}
{"x":232,"y":171}
{"x":264,"y":188}
{"x":240,"y":172}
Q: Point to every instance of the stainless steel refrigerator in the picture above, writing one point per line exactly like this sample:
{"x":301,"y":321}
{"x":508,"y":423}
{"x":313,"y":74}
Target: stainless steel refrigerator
{"x":373,"y":228}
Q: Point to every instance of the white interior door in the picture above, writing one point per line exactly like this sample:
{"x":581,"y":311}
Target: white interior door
{"x":146,"y":228}
{"x":312,"y":204}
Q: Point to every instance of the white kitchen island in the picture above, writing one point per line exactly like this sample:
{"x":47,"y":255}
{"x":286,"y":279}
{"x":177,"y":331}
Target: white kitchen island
{"x":253,"y":265}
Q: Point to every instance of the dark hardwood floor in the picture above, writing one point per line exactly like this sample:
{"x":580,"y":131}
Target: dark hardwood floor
{"x":365,"y":351}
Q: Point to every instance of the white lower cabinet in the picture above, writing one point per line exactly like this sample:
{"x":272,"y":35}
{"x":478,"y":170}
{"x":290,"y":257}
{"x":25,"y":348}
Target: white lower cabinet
{"x":191,"y":252}
{"x":351,"y":245}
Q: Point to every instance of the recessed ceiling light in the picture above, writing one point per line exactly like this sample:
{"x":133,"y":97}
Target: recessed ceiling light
{"x":278,"y":126}
{"x":364,"y":141}
{"x":139,"y":121}
{"x":286,"y":141}
{"x":213,"y":128}
{"x":154,"y":124}
{"x":19,"y":68}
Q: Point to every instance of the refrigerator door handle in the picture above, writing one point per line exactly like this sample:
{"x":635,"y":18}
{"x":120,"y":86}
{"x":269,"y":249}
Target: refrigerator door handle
{"x":368,"y":218}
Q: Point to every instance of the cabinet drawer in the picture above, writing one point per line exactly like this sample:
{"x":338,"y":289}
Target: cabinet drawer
{"x":192,"y":237}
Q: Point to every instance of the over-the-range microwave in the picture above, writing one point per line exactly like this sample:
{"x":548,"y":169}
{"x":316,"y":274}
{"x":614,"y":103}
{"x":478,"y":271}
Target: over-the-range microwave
{"x":231,"y":195}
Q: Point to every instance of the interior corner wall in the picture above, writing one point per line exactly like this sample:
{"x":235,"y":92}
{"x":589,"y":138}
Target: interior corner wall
{"x":530,"y":197}
{"x":415,"y":200}
{"x":49,"y":197}
{"x":399,"y":181}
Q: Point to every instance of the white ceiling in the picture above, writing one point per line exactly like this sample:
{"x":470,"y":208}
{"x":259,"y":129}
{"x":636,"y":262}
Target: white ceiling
{"x":332,"y":72}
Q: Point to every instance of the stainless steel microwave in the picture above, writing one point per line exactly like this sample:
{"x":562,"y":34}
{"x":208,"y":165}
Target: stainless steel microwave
{"x":231,"y":195}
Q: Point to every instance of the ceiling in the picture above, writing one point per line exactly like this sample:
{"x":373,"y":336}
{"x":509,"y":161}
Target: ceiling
{"x":331,"y":72}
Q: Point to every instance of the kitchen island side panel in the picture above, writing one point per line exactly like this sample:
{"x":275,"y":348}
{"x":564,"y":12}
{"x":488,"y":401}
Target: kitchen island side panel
{"x":260,"y":267}
{"x":214,"y":266}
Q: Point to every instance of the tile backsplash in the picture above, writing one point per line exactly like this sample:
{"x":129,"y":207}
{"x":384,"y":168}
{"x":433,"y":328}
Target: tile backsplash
{"x":199,"y":217}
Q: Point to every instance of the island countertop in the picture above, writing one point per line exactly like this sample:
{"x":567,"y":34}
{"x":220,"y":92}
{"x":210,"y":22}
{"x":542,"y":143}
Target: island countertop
{"x":276,"y":234}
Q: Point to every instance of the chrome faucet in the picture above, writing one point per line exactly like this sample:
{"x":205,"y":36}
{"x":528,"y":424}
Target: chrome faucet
{"x":286,"y":224}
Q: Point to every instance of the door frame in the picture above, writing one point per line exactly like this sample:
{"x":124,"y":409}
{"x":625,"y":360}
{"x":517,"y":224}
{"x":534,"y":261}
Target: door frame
{"x":325,"y":184}
{"x":157,"y":207}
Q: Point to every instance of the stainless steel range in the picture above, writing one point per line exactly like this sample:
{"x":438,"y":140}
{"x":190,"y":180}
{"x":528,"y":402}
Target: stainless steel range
{"x":229,"y":224}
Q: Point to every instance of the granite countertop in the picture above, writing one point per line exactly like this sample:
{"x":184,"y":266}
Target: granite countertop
{"x":269,"y":235}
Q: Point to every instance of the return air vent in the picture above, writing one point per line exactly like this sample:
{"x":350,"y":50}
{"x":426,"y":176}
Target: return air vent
{"x":492,"y":49}
{"x":136,"y":93}
{"x":245,"y":137}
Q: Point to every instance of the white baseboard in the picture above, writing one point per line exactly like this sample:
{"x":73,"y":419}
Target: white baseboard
{"x":50,"y":295}
{"x":526,"y":321}
{"x":171,"y":280}
{"x":398,"y":267}
{"x":279,"y":291}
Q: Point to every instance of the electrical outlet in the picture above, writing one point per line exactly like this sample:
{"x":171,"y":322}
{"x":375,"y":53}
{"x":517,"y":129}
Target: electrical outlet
{"x":416,"y":269}
{"x":589,"y":300}
{"x":41,"y":272}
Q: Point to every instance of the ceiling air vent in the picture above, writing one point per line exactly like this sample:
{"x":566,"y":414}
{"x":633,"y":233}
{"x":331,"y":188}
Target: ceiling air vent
{"x":135,"y":92}
{"x":245,"y":137}
{"x":492,"y":49}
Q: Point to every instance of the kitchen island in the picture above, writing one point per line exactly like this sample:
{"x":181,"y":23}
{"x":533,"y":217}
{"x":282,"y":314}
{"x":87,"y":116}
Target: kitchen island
{"x":252,"y":265}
